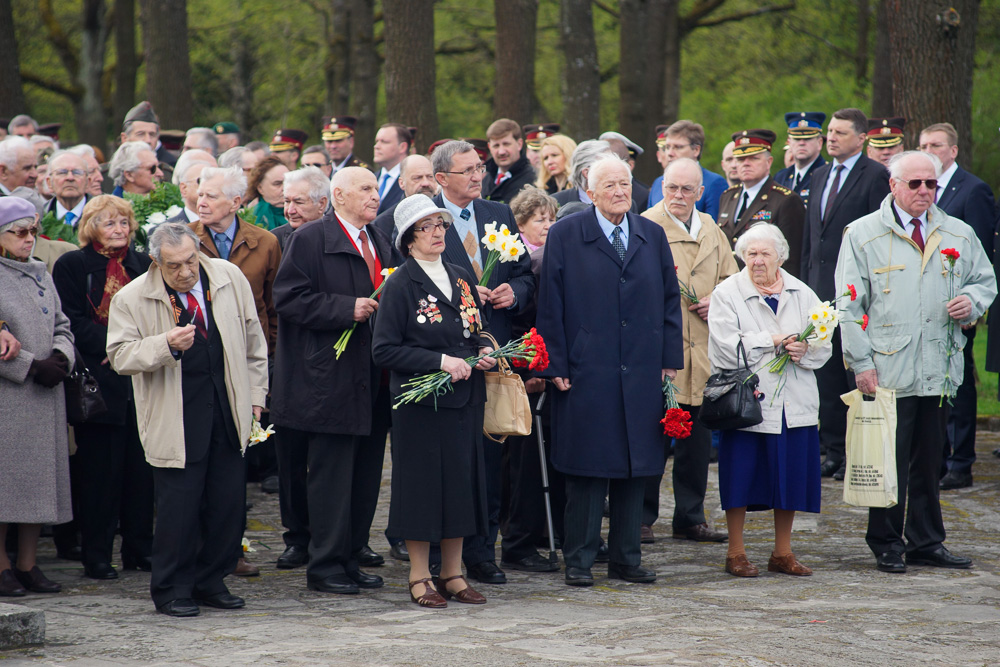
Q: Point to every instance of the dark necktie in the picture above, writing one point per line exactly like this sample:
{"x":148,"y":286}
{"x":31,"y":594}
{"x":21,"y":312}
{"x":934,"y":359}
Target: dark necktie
{"x":743,"y":206}
{"x":798,"y":181}
{"x":366,"y":252}
{"x":834,"y":188}
{"x":616,"y":243}
{"x":917,"y":237}
{"x":222,"y":244}
{"x":465,"y":214}
{"x":197,"y":319}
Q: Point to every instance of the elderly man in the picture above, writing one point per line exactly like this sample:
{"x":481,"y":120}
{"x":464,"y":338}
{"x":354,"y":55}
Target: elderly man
{"x":805,"y":143}
{"x":332,"y":414}
{"x":913,"y":296}
{"x":610,"y":313}
{"x":703,"y":259}
{"x":584,"y":155}
{"x":134,"y":168}
{"x":307,"y":196}
{"x":67,"y":174}
{"x":686,"y":138}
{"x":142,"y":124}
{"x":228,"y":136}
{"x":416,"y":176}
{"x":95,"y":178}
{"x":18,"y":165}
{"x":188,"y":334}
{"x":392,"y":144}
{"x":885,"y":138}
{"x":187,"y":171}
{"x":508,"y":170}
{"x":22,"y":125}
{"x":202,"y":139}
{"x":338,"y":138}
{"x":316,"y":156}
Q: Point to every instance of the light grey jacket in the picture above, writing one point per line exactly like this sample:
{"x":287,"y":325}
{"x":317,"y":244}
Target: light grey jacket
{"x":904,"y":293}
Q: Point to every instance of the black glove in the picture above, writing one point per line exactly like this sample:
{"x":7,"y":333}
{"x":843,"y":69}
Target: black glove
{"x":50,"y":372}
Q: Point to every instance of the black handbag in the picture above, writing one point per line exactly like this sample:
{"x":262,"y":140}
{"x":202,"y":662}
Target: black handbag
{"x":83,"y":394}
{"x":729,"y":400}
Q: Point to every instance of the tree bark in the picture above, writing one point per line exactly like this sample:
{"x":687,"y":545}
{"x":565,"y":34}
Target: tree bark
{"x":882,"y":102}
{"x":671,"y":63}
{"x":12,"y":100}
{"x":168,"y":66}
{"x":338,"y":58}
{"x":410,"y":73}
{"x":933,"y":54}
{"x":861,"y":36}
{"x":363,"y":76}
{"x":641,"y":75}
{"x":91,"y":117}
{"x":127,"y":62}
{"x":514,"y":96}
{"x":581,"y":88}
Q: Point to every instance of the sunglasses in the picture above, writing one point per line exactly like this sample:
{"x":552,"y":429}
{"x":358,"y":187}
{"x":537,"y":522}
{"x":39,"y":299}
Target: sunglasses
{"x":24,"y":231}
{"x":913,"y":184}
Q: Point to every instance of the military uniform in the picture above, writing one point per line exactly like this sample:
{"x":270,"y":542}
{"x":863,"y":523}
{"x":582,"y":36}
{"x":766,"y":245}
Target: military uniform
{"x":786,"y":178}
{"x":775,"y":204}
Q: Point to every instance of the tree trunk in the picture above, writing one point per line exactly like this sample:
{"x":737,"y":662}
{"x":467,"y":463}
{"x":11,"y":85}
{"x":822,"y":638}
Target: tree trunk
{"x":241,"y":51}
{"x":640,"y":76}
{"x":581,"y":89}
{"x":338,"y":58}
{"x":168,"y":67}
{"x":409,"y":67}
{"x":513,"y":96}
{"x":861,"y":35}
{"x":127,"y":64}
{"x":671,"y":63}
{"x":363,"y":75}
{"x":882,"y":102}
{"x":933,"y":54}
{"x":12,"y":101}
{"x":91,"y":118}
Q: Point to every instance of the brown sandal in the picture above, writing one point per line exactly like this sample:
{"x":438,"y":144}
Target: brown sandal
{"x":431,"y":598}
{"x":468,"y":595}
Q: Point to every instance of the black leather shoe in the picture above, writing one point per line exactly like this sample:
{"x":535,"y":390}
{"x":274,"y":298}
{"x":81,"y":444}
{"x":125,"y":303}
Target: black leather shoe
{"x":829,"y":467}
{"x":579,"y":576}
{"x":143,"y":563}
{"x":532,"y":563}
{"x":368,"y":558}
{"x":634,"y":573}
{"x":399,"y":551}
{"x":603,"y":555}
{"x":365,"y":580}
{"x":270,"y":484}
{"x":996,"y":452}
{"x":100,"y":571}
{"x":646,"y":535}
{"x":35,"y":581}
{"x":939,"y":557}
{"x":335,"y":583}
{"x":487,"y":572}
{"x":891,"y":561}
{"x":840,"y":473}
{"x":223,"y":600}
{"x":700,"y":533}
{"x":956,"y":480}
{"x":180,"y":607}
{"x":10,"y":586}
{"x":294,"y":556}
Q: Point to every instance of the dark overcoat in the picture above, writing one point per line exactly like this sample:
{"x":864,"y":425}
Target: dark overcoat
{"x":610,"y":327}
{"x":320,"y":278}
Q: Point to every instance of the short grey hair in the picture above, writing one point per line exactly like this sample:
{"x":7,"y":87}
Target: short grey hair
{"x":187,"y":160}
{"x":206,"y":138}
{"x":126,"y":160}
{"x":586,"y":153}
{"x":317,"y":149}
{"x":601,"y":165}
{"x":233,"y":157}
{"x":234,"y":181}
{"x":763,"y":232}
{"x":58,"y":155}
{"x":318,"y":185}
{"x":682,"y":162}
{"x":444,"y":154}
{"x":10,"y":147}
{"x":896,"y":163}
{"x":83,"y":150}
{"x":21,"y":120}
{"x":171,"y":234}
{"x":42,"y":139}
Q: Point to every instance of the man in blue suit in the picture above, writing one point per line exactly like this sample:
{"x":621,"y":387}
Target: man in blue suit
{"x":961,"y":195}
{"x":609,"y":311}
{"x":459,"y":171}
{"x":686,"y":139}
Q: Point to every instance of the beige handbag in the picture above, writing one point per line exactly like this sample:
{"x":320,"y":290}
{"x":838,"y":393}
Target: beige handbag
{"x":507,"y":409}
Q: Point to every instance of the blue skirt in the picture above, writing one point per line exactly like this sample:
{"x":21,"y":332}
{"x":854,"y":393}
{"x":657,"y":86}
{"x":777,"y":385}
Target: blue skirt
{"x":762,"y":471}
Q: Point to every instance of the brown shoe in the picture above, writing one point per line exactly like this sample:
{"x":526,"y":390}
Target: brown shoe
{"x":700,"y":533}
{"x":36,"y":582}
{"x":431,"y":598}
{"x":739,"y":566}
{"x":246,"y":569}
{"x":788,"y":565}
{"x":467,"y":595}
{"x":646,"y":534}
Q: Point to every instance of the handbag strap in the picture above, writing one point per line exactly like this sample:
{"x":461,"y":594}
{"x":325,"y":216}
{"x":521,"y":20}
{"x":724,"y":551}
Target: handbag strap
{"x":741,"y":351}
{"x":503,"y":366}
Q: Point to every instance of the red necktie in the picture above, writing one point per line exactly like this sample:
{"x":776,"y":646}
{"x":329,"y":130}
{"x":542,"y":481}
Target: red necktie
{"x":196,"y":317}
{"x":374,"y":266}
{"x":917,"y":237}
{"x":500,"y":177}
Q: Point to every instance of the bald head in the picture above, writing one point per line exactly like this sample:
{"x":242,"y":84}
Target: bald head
{"x":354,"y":194}
{"x":683,"y":167}
{"x":416,"y":176}
{"x":682,"y":187}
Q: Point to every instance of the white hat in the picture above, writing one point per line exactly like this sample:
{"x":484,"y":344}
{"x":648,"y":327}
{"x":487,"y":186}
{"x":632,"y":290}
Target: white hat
{"x":413,"y":209}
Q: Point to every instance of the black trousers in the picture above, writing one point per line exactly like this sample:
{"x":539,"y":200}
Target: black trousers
{"x":482,"y":548}
{"x":833,"y":380}
{"x":915,"y":523}
{"x":115,"y":488}
{"x":960,"y":447}
{"x":689,"y":475}
{"x":585,"y":510}
{"x":293,"y":497}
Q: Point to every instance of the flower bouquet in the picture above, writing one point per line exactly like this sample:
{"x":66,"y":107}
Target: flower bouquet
{"x":345,"y":337}
{"x":163,"y":203}
{"x":526,"y":351}
{"x":258,"y":434}
{"x":503,"y":246}
{"x":676,"y":422}
{"x":948,"y":387}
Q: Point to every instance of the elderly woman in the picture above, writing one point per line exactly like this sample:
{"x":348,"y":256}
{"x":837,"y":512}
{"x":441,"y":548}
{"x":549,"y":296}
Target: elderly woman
{"x":265,"y":194}
{"x":428,"y":320}
{"x":134,"y":168}
{"x":774,"y":465}
{"x":534,"y":211}
{"x":553,"y":173}
{"x":115,"y":484}
{"x":36,"y":352}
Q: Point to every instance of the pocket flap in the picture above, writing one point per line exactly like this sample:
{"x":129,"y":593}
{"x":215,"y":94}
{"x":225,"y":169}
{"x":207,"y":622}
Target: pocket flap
{"x":889,"y":344}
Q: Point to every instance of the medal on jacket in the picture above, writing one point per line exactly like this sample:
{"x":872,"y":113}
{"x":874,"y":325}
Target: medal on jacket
{"x":428,"y":310}
{"x":469,"y":312}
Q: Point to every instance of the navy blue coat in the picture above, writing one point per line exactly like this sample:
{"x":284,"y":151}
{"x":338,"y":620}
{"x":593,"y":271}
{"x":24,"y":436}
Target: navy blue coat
{"x":970,"y":200}
{"x":786,"y":178}
{"x":610,"y":327}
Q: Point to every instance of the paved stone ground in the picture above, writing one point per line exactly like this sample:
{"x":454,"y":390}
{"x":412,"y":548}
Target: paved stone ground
{"x":695,"y":614}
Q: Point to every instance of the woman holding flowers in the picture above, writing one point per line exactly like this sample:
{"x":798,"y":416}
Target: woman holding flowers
{"x":428,"y":320}
{"x":775,"y":464}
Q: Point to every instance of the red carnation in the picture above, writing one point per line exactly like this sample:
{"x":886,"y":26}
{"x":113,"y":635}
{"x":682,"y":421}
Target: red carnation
{"x":677,"y":423}
{"x":854,"y":292}
{"x":864,"y":322}
{"x":951,"y":254}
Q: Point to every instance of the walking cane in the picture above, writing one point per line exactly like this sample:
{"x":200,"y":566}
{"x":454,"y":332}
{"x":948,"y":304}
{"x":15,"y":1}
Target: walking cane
{"x":545,"y":477}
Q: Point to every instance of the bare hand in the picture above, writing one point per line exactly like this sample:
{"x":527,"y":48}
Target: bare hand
{"x":486,"y":363}
{"x":562,"y":384}
{"x":534,"y":385}
{"x":867,"y":381}
{"x":484,"y":294}
{"x":256,"y":412}
{"x":181,"y":338}
{"x":960,"y":308}
{"x":363,"y":308}
{"x":701,"y":308}
{"x":457,"y":368}
{"x":779,"y":339}
{"x":797,"y":350}
{"x":10,"y":347}
{"x":668,"y":373}
{"x":502,"y":296}
{"x":105,"y":361}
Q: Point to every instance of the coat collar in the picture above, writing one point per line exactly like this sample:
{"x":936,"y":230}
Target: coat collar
{"x":154,"y":288}
{"x":419,"y":276}
{"x":94,"y":261}
{"x":245,"y":233}
{"x":853,"y":177}
{"x":592,"y":233}
{"x":335,"y":239}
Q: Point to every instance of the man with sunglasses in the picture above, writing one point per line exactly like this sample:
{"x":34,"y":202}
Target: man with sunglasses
{"x":134,"y":168}
{"x":913,"y":295}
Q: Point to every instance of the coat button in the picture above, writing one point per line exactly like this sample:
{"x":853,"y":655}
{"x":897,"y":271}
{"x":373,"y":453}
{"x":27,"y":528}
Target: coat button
{"x":624,"y":323}
{"x":623,"y":279}
{"x":41,"y":293}
{"x":457,"y":319}
{"x":624,"y":368}
{"x":45,"y":311}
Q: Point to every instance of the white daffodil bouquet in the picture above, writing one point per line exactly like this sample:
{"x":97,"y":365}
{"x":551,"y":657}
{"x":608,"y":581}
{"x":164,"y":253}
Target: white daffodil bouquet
{"x":503,"y":246}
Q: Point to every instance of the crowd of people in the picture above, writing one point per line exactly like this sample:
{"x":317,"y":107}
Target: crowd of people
{"x":300,"y":289}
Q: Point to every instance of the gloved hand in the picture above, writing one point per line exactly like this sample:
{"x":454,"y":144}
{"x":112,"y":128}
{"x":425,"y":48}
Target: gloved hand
{"x":50,"y":372}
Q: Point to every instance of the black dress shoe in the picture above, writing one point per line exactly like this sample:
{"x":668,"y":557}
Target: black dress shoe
{"x":939,"y":557}
{"x":35,"y":581}
{"x":532,"y":563}
{"x":579,"y":576}
{"x":335,"y":583}
{"x":270,"y":484}
{"x":603,"y":554}
{"x":365,"y":580}
{"x":840,"y":473}
{"x":646,"y":535}
{"x":398,"y":551}
{"x":891,"y":561}
{"x":368,"y":558}
{"x":829,"y":467}
{"x":180,"y":607}
{"x":956,"y":480}
{"x":700,"y":533}
{"x":10,"y":586}
{"x":100,"y":571}
{"x":634,"y":573}
{"x":487,"y":572}
{"x":142,"y":563}
{"x":223,"y":600}
{"x":73,"y":553}
{"x":996,"y":452}
{"x":294,"y":556}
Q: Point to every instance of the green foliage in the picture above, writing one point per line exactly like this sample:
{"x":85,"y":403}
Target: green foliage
{"x":153,"y":209}
{"x":56,"y":230}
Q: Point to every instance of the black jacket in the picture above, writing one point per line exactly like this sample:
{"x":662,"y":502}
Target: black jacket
{"x":521,"y":174}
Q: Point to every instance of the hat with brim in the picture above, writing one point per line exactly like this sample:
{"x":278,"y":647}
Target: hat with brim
{"x":13,"y":209}
{"x":634,"y":149}
{"x":751,"y":142}
{"x":412,"y":210}
{"x":885,"y":132}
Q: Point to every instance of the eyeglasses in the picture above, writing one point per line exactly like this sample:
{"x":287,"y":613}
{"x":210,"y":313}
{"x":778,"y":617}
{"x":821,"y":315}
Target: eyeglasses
{"x":914,"y":183}
{"x":431,"y":227}
{"x":478,"y":169}
{"x":686,"y":190}
{"x":79,"y":173}
{"x":676,"y":147}
{"x":24,"y":231}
